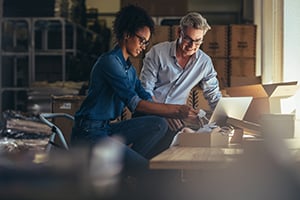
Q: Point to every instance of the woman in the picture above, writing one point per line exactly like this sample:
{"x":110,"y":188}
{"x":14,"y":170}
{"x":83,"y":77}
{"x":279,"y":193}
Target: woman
{"x":114,"y":85}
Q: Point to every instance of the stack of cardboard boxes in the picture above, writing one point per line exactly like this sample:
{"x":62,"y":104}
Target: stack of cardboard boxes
{"x":242,"y":55}
{"x":233,"y":51}
{"x":216,"y":46}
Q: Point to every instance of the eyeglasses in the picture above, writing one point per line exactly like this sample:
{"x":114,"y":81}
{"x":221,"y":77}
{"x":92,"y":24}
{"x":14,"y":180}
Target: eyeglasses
{"x":143,"y":41}
{"x":189,"y":40}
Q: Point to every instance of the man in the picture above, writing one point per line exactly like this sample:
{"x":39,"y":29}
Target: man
{"x":171,"y":69}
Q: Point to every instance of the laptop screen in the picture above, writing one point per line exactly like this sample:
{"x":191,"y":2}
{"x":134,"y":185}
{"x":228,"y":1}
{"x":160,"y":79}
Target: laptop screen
{"x":233,"y":107}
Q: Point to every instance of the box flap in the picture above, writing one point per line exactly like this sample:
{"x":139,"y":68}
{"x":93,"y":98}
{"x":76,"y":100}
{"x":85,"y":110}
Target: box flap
{"x":285,"y":91}
{"x":270,"y":88}
{"x":282,"y":105}
{"x":257,"y":90}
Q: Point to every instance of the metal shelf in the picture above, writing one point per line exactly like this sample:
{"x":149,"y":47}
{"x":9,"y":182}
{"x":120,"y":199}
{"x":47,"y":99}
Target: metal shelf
{"x":15,"y":53}
{"x":24,"y":40}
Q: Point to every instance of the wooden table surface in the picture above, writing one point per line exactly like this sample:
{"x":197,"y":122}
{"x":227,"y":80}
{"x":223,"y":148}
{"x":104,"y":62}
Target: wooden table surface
{"x":195,"y":158}
{"x":186,"y":158}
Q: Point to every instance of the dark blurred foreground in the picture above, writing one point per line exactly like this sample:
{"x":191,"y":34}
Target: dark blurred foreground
{"x":266,"y":170}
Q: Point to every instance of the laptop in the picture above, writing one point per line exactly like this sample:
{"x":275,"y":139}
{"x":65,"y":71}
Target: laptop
{"x":233,"y":107}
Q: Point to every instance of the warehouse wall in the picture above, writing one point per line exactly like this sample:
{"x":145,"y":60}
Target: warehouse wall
{"x":214,"y":5}
{"x":217,"y":11}
{"x":107,"y":6}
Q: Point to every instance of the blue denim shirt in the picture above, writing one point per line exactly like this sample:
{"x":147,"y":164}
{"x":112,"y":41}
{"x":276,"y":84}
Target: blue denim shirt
{"x":113,"y":85}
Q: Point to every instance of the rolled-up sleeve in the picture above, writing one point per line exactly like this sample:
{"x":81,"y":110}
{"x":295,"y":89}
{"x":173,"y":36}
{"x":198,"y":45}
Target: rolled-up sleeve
{"x":125,"y":83}
{"x":133,"y":103}
{"x":211,"y":90}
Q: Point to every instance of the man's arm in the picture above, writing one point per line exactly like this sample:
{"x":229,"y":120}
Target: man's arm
{"x":211,"y":92}
{"x":148,"y":75}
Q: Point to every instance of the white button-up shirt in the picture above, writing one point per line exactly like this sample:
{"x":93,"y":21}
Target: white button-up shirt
{"x":164,"y":79}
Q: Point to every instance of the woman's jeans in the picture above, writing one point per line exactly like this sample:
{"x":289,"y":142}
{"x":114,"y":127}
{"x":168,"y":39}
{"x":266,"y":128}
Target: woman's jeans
{"x":138,"y":136}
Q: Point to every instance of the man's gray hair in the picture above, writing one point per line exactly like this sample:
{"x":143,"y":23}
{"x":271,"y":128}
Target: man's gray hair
{"x":195,"y":20}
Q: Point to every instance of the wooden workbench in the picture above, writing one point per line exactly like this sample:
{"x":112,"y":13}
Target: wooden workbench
{"x":191,"y":158}
{"x":195,"y":158}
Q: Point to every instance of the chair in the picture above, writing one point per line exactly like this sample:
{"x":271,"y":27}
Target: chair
{"x":55,"y":129}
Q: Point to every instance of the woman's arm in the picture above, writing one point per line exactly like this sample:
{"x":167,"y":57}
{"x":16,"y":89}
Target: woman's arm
{"x":167,"y":110}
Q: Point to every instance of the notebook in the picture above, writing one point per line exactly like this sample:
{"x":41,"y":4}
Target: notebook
{"x":233,"y":107}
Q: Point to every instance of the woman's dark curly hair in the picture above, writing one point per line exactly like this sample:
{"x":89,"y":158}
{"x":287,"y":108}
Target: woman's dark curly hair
{"x":130,"y":19}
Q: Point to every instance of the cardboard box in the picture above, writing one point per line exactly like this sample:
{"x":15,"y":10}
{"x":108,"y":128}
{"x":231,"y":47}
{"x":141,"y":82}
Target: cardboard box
{"x":222,"y":68}
{"x":212,"y":139}
{"x":65,"y":104}
{"x":174,"y":32}
{"x":161,"y":34}
{"x":244,"y":80}
{"x":269,"y":98}
{"x":216,"y":41}
{"x":297,"y":127}
{"x":242,"y":40}
{"x":242,"y":67}
{"x":280,"y":125}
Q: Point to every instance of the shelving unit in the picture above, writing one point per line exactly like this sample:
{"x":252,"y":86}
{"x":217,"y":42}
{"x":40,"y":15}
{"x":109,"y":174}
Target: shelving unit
{"x":36,"y":49}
